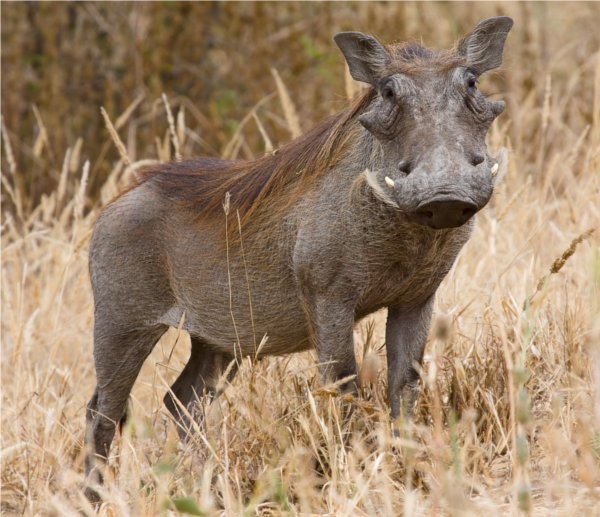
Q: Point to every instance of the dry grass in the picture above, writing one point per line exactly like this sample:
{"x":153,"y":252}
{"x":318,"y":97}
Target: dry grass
{"x":508,"y":419}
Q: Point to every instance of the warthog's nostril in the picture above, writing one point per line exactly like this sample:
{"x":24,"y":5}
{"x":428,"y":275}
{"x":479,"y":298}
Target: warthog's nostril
{"x":448,"y":213}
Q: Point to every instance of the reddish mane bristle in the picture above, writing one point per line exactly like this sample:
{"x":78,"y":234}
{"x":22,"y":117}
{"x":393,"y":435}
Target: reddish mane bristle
{"x":203,"y":184}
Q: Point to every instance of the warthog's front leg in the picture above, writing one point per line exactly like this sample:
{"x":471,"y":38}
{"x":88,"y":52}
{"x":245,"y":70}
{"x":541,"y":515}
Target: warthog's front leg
{"x":405,"y":335}
{"x":332,"y":323}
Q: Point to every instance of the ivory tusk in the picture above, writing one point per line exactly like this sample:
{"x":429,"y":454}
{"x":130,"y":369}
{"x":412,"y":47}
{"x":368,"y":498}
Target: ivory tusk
{"x":389,"y":181}
{"x":494,"y":170}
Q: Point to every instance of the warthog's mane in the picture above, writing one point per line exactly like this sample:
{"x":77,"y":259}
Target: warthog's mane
{"x":204,"y":184}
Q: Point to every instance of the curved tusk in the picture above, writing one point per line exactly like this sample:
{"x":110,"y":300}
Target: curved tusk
{"x":389,"y":181}
{"x":494,"y":170}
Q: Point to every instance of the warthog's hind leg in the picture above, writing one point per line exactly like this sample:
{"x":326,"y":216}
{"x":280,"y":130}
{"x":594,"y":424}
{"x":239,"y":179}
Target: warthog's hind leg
{"x":119,"y":356}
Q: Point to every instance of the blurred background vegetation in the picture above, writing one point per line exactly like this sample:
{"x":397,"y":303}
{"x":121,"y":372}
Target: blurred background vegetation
{"x":62,"y":61}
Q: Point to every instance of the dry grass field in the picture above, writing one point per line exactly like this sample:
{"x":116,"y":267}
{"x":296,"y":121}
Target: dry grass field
{"x":508,"y":418}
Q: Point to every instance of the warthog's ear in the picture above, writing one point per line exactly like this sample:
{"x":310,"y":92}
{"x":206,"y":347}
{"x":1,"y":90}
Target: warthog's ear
{"x":366,"y":57}
{"x":484,"y":45}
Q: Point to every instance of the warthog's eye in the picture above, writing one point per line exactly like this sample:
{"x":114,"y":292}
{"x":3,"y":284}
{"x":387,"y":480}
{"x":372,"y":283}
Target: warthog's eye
{"x":472,"y":83}
{"x":392,"y":88}
{"x":387,"y":91}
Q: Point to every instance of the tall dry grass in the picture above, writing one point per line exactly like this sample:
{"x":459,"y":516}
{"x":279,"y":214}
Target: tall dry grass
{"x":508,"y":420}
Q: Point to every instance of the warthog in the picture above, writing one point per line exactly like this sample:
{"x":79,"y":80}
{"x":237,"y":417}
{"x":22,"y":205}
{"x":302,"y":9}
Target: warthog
{"x":367,"y":210}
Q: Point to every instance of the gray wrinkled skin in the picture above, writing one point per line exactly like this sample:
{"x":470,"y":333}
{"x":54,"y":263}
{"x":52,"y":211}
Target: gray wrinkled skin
{"x":349,"y":246}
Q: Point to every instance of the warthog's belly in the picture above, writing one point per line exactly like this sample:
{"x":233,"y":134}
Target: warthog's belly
{"x":267,"y":318}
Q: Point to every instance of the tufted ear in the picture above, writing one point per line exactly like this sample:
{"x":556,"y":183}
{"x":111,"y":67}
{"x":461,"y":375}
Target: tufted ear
{"x":484,"y":45}
{"x":366,"y":57}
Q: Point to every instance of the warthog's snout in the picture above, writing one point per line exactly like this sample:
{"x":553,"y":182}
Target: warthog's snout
{"x":431,"y":200}
{"x":445,"y":213}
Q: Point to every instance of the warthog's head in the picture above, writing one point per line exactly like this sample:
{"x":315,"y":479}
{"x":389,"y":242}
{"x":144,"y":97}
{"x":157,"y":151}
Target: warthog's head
{"x":431,"y":121}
